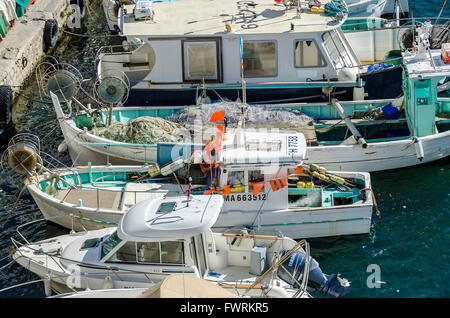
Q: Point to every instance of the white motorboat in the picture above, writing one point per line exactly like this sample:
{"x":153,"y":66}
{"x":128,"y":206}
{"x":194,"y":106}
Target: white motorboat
{"x":160,"y":237}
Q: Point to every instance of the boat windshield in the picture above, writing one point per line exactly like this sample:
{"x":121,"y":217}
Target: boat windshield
{"x":336,"y":49}
{"x":112,"y":241}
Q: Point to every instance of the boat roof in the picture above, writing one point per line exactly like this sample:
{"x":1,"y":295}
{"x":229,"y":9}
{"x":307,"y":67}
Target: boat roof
{"x":422,"y":68}
{"x":256,"y":146}
{"x":169,"y":218}
{"x":208,"y":17}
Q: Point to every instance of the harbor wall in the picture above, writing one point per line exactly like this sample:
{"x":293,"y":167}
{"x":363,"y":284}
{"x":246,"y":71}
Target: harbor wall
{"x":23,"y":47}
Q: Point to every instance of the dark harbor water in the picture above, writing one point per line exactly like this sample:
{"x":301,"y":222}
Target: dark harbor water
{"x":409,"y":243}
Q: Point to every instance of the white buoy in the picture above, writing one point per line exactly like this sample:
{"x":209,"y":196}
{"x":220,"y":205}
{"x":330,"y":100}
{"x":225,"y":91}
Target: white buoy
{"x":62,"y":148}
{"x":108,"y":283}
{"x":419,"y":149}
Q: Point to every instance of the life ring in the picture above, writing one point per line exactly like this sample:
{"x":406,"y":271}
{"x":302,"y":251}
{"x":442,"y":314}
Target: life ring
{"x":6,"y":101}
{"x":51,"y":33}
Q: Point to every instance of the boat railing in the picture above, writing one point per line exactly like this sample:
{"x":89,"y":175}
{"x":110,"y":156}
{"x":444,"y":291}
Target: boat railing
{"x":136,"y":195}
{"x":364,"y":24}
{"x":111,"y":49}
{"x":59,"y":167}
{"x":44,"y":281}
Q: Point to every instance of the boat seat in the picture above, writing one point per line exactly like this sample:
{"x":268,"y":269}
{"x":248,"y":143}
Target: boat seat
{"x":92,"y":198}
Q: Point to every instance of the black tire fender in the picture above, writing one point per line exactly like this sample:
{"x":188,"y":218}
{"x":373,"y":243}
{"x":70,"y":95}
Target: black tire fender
{"x":6,"y":102}
{"x":51,"y":33}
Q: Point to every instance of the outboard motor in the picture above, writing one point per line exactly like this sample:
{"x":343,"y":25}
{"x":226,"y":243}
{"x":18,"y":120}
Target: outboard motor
{"x":291,"y":271}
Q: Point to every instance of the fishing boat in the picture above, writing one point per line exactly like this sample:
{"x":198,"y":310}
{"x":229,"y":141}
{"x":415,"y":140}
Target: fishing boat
{"x":366,"y":8}
{"x":282,"y":52}
{"x":160,"y":237}
{"x":378,"y":8}
{"x":362,"y":135}
{"x":356,"y":8}
{"x":259,"y":173}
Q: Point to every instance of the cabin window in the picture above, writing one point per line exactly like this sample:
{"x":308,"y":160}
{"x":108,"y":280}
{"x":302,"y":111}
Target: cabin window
{"x":236,"y":180}
{"x":200,"y":60}
{"x":260,"y":58}
{"x":255,"y":177}
{"x":125,"y":254}
{"x":170,"y":252}
{"x":307,"y":54}
{"x":198,"y":253}
{"x":110,"y":243}
{"x":148,"y":252}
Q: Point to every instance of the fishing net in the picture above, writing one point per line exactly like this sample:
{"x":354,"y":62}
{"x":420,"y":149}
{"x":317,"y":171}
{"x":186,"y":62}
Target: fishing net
{"x":142,"y":130}
{"x":193,"y":120}
{"x":334,"y":7}
{"x":256,"y":116}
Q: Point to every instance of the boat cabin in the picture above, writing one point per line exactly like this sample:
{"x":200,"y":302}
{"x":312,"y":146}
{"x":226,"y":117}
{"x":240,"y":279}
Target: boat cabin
{"x":164,"y":232}
{"x":262,"y":171}
{"x":190,"y":43}
{"x":424,"y":69}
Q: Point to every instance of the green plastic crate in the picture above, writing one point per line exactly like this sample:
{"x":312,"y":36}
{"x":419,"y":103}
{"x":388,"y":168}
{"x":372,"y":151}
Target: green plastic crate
{"x":3,"y":30}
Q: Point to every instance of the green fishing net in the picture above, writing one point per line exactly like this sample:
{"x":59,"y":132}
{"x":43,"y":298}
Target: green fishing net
{"x":142,"y":130}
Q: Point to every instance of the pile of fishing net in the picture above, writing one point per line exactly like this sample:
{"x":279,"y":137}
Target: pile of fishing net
{"x":142,"y":130}
{"x":256,"y":116}
{"x":334,"y":7}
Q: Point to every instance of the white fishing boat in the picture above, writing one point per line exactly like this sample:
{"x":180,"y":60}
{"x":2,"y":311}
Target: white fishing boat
{"x":366,"y":8}
{"x":378,"y":8}
{"x":160,"y":237}
{"x":282,"y":52}
{"x":356,"y":8}
{"x":259,"y":173}
{"x":362,"y":135}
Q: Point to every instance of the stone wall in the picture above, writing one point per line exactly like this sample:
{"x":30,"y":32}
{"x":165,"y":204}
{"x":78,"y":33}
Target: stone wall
{"x":23,"y":46}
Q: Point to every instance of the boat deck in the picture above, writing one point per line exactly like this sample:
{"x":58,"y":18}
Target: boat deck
{"x":207,"y":17}
{"x":92,"y":198}
{"x":235,"y":274}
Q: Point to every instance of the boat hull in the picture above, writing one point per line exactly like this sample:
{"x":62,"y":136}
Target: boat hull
{"x":382,"y":84}
{"x":379,"y":156}
{"x":304,"y":223}
{"x":71,"y":216}
{"x":103,"y":151}
{"x":297,"y":223}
